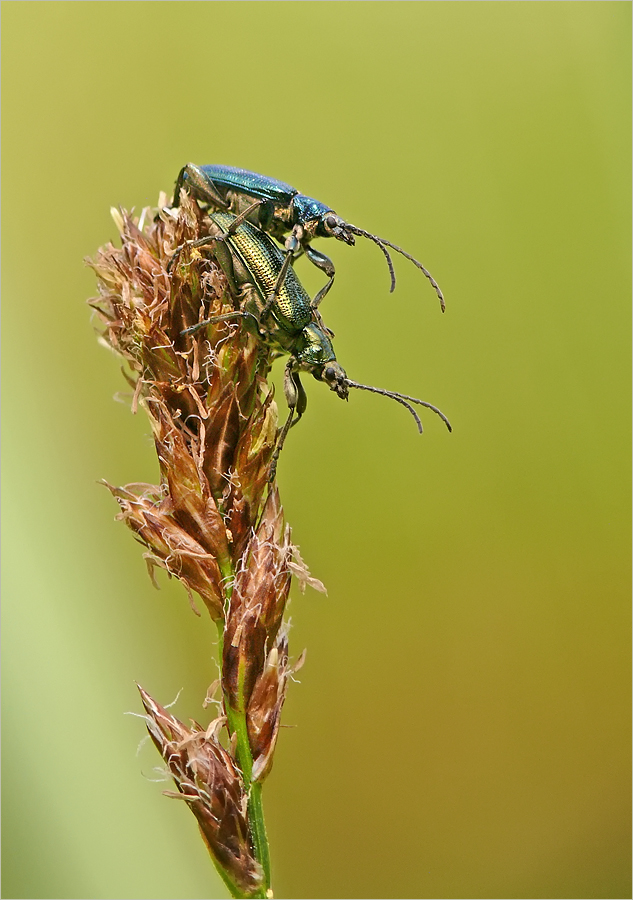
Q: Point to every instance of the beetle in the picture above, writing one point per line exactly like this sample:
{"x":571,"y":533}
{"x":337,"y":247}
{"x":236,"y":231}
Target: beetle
{"x":278,"y":208}
{"x":287,"y":322}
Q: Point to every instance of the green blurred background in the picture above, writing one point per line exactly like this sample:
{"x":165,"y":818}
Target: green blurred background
{"x":463,"y":717}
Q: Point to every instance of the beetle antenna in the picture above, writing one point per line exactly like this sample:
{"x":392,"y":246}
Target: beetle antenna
{"x":381,"y":244}
{"x":416,"y":262}
{"x":404,"y":399}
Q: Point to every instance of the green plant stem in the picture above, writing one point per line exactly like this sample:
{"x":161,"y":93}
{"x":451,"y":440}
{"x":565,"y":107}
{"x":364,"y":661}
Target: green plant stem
{"x":237,"y":725}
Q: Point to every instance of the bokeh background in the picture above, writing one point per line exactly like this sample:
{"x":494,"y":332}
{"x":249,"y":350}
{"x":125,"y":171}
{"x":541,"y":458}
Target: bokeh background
{"x":462,"y":723}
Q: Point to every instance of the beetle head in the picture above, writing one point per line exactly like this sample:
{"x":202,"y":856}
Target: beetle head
{"x":332,"y":225}
{"x":335,"y":377}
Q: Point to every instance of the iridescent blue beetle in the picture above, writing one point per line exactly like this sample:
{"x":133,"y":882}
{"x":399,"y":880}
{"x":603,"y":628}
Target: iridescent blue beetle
{"x":278,"y":208}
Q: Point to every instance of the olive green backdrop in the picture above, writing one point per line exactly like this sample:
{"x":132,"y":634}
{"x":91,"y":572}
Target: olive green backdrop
{"x":462,"y":721}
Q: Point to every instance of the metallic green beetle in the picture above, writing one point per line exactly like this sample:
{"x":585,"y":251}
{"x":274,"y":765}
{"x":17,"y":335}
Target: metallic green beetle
{"x":278,"y":308}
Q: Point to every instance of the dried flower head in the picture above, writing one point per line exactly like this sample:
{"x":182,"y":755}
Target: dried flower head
{"x":214,"y":521}
{"x":208,"y":780}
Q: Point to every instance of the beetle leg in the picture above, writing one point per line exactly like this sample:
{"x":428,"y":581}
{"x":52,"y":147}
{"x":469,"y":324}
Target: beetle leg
{"x":302,"y":400}
{"x":199,"y":185}
{"x":238,"y":313}
{"x":292,"y":244}
{"x":297,"y":402}
{"x":235,"y":224}
{"x":323,"y":262}
{"x":278,"y":283}
{"x":199,"y":243}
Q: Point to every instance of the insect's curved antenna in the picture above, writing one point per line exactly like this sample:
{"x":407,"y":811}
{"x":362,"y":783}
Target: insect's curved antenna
{"x":416,"y":262}
{"x":381,"y":244}
{"x":404,"y":399}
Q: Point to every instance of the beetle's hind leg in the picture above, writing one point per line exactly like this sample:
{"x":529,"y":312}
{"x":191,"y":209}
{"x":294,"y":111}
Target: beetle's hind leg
{"x":297,"y":402}
{"x":235,"y":224}
{"x":199,"y":185}
{"x":201,"y":242}
{"x":223,"y":317}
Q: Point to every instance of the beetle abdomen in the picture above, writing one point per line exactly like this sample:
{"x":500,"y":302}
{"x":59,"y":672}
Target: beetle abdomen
{"x":264,"y":260}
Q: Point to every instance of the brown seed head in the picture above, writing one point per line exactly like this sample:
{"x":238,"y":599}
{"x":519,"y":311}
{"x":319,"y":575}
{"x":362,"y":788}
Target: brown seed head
{"x":259,"y":596}
{"x":213,"y":521}
{"x":211,"y":409}
{"x":208,"y":780}
{"x":266,"y":702}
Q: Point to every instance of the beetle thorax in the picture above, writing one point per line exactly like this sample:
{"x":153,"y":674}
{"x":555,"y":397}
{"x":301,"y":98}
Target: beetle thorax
{"x":313,"y":348}
{"x":308,"y":212}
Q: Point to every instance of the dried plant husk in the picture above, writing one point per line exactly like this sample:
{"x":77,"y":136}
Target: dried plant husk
{"x":213,"y":521}
{"x":208,"y":780}
{"x":212,"y":411}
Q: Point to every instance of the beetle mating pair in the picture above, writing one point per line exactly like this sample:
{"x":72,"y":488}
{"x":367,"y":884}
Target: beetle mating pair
{"x":276,"y":304}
